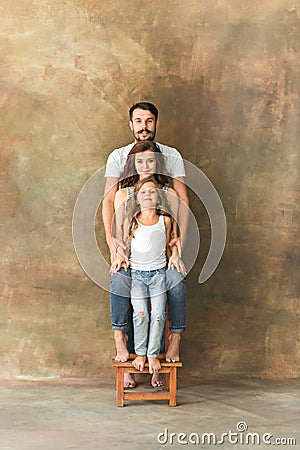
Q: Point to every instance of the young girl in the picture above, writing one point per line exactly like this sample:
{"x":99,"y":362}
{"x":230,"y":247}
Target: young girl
{"x":149,"y":233}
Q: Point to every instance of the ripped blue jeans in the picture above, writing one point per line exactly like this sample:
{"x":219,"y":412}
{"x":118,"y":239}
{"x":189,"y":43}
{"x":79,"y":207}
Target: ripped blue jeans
{"x":148,"y":283}
{"x":121,"y":309}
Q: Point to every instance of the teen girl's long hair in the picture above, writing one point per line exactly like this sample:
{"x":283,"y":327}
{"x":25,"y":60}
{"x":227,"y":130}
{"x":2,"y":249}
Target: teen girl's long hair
{"x":130,"y":177}
{"x":134,"y":209}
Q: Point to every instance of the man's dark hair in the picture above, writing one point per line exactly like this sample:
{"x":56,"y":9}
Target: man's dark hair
{"x":146,"y":106}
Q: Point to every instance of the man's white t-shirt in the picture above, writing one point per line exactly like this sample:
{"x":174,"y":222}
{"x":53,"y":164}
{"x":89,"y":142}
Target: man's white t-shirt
{"x":117,"y":159}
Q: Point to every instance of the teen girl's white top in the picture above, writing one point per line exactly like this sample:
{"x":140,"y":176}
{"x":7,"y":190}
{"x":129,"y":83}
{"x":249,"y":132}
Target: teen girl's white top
{"x":148,"y":247}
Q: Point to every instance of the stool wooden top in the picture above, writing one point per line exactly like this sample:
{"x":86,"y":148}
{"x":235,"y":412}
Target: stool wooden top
{"x":129,"y":363}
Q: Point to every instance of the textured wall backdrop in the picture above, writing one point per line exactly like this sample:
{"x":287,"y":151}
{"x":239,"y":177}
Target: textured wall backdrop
{"x":225,"y":76}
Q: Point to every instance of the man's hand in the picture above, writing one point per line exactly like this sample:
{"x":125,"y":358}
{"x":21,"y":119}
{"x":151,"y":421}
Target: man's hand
{"x":121,"y":253}
{"x":175,"y":262}
{"x":118,"y":263}
{"x":178,"y":242}
{"x":117,"y":246}
{"x":120,"y":260}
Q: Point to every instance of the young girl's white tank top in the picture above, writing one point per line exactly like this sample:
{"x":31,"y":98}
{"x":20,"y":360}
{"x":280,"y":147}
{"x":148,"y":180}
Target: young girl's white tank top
{"x":148,"y":247}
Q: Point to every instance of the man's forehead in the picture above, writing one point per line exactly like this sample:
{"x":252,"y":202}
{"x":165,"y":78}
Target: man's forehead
{"x":141,"y":113}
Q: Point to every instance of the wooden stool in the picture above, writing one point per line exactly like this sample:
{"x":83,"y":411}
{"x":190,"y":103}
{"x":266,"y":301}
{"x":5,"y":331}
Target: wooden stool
{"x":168,"y":369}
{"x":170,"y":382}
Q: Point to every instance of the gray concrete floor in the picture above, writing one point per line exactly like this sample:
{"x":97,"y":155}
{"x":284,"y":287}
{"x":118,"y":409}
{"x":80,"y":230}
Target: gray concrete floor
{"x":81,"y":414}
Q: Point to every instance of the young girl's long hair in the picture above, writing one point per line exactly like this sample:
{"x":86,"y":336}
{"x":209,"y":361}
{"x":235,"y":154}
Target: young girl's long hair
{"x":130,"y":177}
{"x":134,"y":209}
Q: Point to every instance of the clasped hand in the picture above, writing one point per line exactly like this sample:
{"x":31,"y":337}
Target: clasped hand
{"x":120,"y":260}
{"x":175,"y":262}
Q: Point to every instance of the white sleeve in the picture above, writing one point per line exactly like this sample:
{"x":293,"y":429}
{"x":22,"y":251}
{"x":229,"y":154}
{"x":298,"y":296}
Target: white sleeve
{"x":175,"y":165}
{"x":178,"y":167}
{"x":113,"y":166}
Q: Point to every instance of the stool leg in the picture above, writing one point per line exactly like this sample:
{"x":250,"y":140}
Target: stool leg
{"x":173,"y":386}
{"x":166,"y":381}
{"x":120,"y":385}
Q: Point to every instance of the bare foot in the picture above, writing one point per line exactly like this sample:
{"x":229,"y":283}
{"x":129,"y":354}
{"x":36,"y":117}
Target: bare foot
{"x":139,"y":363}
{"x":172,"y":354}
{"x":121,"y":340}
{"x":154,"y":365}
{"x":157,"y":380}
{"x":129,"y":381}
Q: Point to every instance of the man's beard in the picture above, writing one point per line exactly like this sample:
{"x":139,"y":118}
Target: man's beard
{"x":150,"y":138}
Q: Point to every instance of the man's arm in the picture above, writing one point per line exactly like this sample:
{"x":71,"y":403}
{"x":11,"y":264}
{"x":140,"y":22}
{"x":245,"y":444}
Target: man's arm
{"x":174,"y":260}
{"x":120,"y":229}
{"x":167,"y":222}
{"x":119,"y":212}
{"x":183,"y":210}
{"x":118,"y":234}
{"x":110,"y":190}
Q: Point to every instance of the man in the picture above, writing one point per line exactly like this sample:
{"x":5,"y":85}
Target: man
{"x":143,"y":123}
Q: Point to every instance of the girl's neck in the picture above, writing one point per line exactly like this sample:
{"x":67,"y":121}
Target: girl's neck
{"x":148,"y":215}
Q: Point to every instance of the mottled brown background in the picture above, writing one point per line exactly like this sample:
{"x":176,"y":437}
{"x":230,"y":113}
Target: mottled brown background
{"x":225,"y":76}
